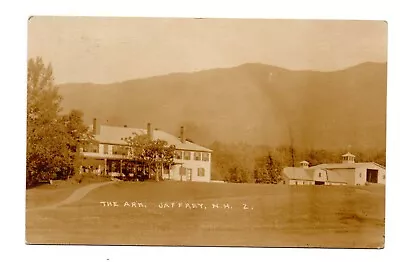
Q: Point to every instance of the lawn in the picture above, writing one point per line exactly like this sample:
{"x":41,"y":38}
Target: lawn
{"x":47,"y":194}
{"x":150,"y":213}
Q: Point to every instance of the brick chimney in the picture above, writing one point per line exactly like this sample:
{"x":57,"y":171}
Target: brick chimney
{"x":149,"y":131}
{"x":96,"y":127}
{"x":183,"y":138}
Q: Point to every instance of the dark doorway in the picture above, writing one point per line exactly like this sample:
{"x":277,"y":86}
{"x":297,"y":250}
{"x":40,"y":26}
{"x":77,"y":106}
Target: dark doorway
{"x":319,"y":183}
{"x":372,"y":175}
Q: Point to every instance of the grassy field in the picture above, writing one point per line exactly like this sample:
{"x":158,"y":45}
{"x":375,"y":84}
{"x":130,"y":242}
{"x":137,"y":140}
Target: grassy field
{"x":49,"y":194}
{"x":253,"y":215}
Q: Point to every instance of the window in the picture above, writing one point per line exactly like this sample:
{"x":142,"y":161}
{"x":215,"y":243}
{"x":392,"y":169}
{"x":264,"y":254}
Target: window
{"x":93,"y":148}
{"x":182,"y":171}
{"x":166,"y":169}
{"x":119,"y":150}
{"x":197,"y":156}
{"x":105,"y":150}
{"x":206,"y":157}
{"x":186,"y":155}
{"x":319,"y":174}
{"x":201,"y":172}
{"x":189,"y":173}
{"x":178,"y":154}
{"x":115,"y":150}
{"x":125,"y":150}
{"x":360,"y":175}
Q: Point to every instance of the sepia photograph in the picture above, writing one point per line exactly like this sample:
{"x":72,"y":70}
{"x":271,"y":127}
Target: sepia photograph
{"x":211,"y":132}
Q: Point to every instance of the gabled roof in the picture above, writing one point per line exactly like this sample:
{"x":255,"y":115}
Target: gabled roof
{"x":298,"y":173}
{"x":336,"y":165}
{"x":346,"y":165}
{"x":115,"y":135}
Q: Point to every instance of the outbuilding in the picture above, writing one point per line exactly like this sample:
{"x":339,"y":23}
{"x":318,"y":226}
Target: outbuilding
{"x":346,"y":173}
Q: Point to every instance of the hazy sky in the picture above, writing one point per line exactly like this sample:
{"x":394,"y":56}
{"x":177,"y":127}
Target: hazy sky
{"x":104,"y":50}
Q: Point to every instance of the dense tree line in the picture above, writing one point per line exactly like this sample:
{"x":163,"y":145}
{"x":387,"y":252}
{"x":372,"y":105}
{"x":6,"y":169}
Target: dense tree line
{"x":53,"y":139}
{"x":241,"y":163}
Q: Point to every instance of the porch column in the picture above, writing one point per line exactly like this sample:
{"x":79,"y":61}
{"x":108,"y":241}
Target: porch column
{"x":105,"y":166}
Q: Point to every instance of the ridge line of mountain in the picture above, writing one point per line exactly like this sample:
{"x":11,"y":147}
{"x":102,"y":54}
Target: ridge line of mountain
{"x":222,"y":68}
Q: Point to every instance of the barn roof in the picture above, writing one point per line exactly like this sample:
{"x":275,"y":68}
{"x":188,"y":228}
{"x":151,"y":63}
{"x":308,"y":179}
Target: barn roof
{"x":115,"y":135}
{"x":298,"y":173}
{"x":337,"y":166}
{"x":346,"y":165}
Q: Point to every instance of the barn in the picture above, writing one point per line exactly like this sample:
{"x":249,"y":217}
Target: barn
{"x":348,"y":172}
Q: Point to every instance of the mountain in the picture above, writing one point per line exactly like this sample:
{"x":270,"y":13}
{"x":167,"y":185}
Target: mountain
{"x":251,"y":103}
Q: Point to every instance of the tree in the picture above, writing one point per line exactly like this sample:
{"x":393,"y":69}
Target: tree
{"x":153,"y":154}
{"x":291,"y":148}
{"x":52,"y":140}
{"x":232,"y":162}
{"x":286,"y":155}
{"x":320,"y":156}
{"x":76,"y":136}
{"x":239,"y":174}
{"x":43,"y":152}
{"x":267,"y":170}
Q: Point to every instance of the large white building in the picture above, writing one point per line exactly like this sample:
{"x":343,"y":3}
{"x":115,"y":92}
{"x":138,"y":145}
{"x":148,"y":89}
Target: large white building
{"x":192,"y":162}
{"x":346,"y":173}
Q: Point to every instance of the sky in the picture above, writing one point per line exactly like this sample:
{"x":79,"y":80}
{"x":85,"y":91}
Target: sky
{"x":106,"y":50}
